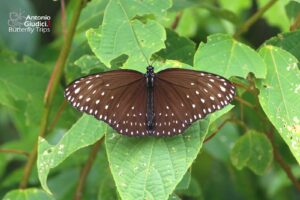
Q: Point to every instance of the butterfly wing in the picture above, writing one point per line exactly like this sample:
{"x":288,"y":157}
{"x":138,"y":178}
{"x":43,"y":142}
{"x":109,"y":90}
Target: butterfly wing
{"x":183,"y":96}
{"x":117,"y":97}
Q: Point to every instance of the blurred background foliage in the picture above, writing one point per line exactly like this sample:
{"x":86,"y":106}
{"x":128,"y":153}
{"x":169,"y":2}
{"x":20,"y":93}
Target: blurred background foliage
{"x":213,"y":175}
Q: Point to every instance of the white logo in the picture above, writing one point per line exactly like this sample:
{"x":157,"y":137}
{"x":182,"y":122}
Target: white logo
{"x":19,"y":22}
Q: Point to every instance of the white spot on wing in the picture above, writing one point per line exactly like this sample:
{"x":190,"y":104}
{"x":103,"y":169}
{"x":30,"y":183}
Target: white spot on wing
{"x":222,"y":88}
{"x":77,"y":90}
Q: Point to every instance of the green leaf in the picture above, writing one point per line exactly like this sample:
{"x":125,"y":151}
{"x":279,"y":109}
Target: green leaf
{"x":237,"y":6}
{"x":87,"y":63}
{"x":252,"y":150}
{"x":225,"y":56}
{"x":91,"y":15}
{"x":150,"y":168}
{"x":178,"y":48}
{"x":179,"y":5}
{"x":287,"y":41}
{"x":86,"y":131}
{"x":221,"y":12}
{"x":28,"y":194}
{"x":276,"y":15}
{"x":188,"y":24}
{"x":185,"y":182}
{"x":221,"y":145}
{"x":122,"y":34}
{"x":22,"y":86}
{"x":292,"y":10}
{"x":280,"y":93}
{"x":173,"y":197}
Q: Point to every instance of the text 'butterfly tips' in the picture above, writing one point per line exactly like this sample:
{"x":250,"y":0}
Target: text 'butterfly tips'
{"x":157,"y":104}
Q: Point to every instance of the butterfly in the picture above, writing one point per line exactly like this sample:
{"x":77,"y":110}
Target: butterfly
{"x":157,"y":104}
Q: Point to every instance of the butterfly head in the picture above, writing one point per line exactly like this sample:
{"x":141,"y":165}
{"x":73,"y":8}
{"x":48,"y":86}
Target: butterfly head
{"x":150,"y":69}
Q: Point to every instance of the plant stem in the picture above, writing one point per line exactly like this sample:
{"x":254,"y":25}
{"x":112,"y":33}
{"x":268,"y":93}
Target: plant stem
{"x":176,"y":21}
{"x":63,"y":18}
{"x":244,"y":28}
{"x":242,"y":101}
{"x":296,"y":23}
{"x":57,"y":116}
{"x":15,"y":151}
{"x":85,"y":170}
{"x":216,"y":131}
{"x":51,"y":89}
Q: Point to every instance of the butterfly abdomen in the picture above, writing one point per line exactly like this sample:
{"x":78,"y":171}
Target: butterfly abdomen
{"x":150,"y":96}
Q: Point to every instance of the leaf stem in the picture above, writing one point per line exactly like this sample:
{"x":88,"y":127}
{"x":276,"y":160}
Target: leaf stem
{"x":296,"y":23}
{"x":176,"y":21}
{"x":216,"y":131}
{"x":232,"y":120}
{"x":15,"y":151}
{"x":286,"y":168}
{"x":51,"y":89}
{"x":244,"y":28}
{"x":242,"y":101}
{"x":57,"y":116}
{"x":85,"y":170}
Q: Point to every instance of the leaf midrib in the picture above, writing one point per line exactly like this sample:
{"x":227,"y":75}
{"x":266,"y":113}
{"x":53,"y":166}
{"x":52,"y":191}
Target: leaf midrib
{"x":280,"y":86}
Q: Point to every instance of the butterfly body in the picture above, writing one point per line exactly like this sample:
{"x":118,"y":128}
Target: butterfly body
{"x":150,"y":93}
{"x":159,"y":104}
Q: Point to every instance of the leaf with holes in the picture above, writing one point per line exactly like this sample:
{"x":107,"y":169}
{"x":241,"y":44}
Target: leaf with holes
{"x":121,"y":34}
{"x":150,"y":168}
{"x":280,"y":93}
{"x":84,"y":132}
{"x":225,"y":56}
{"x":253,"y":150}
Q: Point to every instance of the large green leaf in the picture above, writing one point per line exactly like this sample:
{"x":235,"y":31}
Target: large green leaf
{"x":86,"y":131}
{"x":22,"y":86}
{"x":253,"y":150}
{"x":150,"y":168}
{"x":225,"y":56}
{"x":28,"y":194}
{"x":287,"y":41}
{"x":121,"y":34}
{"x":280,"y":95}
{"x":276,"y":14}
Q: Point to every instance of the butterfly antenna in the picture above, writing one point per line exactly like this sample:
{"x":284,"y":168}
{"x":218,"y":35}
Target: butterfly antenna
{"x":153,"y":62}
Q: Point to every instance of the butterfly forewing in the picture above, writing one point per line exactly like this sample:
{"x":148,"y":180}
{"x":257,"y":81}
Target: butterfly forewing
{"x":184,"y":96}
{"x":116,"y":97}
